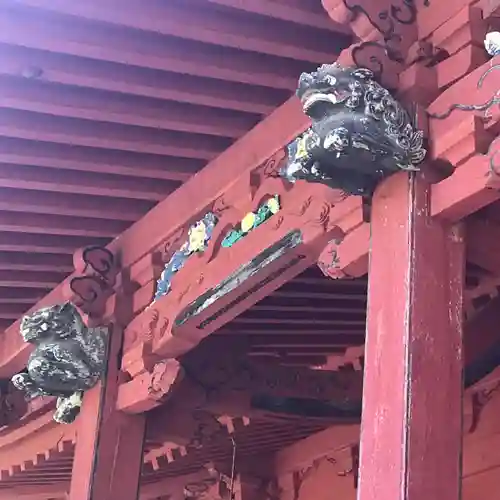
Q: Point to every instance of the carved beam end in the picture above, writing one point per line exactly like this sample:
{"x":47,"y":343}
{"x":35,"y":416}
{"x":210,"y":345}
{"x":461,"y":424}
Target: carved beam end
{"x":150,"y":389}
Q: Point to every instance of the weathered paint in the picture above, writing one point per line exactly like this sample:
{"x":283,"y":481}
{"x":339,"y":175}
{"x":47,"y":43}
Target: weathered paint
{"x":412,"y":400}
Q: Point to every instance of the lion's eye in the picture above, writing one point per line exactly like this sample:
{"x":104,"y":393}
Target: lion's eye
{"x":44,"y":327}
{"x":331,"y":80}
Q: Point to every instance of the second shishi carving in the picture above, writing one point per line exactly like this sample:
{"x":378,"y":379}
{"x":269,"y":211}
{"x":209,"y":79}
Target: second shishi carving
{"x":68,"y":358}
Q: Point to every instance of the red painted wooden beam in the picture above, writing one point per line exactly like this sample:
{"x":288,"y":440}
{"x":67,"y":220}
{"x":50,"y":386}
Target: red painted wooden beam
{"x":472,"y":186}
{"x":109,"y":450}
{"x":412,"y":395}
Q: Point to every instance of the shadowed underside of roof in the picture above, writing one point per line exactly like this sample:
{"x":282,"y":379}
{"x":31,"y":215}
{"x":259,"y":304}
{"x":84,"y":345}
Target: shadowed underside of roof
{"x":107,"y":107}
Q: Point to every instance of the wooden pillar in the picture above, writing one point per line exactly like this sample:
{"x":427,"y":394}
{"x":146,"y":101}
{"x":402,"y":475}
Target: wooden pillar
{"x":412,"y":397}
{"x":109,"y":449}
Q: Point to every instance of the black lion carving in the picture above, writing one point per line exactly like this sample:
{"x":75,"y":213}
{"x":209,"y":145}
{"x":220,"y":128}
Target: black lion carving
{"x":359,"y":132}
{"x":68,"y":359}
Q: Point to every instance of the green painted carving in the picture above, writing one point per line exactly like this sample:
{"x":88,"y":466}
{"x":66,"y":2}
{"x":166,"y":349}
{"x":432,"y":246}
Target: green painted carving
{"x":251,"y":221}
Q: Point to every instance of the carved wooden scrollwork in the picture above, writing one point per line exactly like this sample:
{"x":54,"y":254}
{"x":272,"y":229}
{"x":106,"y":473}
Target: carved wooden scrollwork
{"x":96,"y":271}
{"x":390,"y":23}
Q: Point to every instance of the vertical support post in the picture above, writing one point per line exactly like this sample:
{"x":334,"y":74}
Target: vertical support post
{"x":109,"y":448}
{"x":411,"y":433}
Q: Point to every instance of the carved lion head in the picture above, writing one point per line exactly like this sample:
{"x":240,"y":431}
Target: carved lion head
{"x":331,"y":85}
{"x":58,"y":321}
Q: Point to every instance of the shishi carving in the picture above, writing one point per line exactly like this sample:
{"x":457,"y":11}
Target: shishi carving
{"x":359,"y":132}
{"x":68,"y":358}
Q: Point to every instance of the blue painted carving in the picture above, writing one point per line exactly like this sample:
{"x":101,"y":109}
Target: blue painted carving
{"x":199,"y":235}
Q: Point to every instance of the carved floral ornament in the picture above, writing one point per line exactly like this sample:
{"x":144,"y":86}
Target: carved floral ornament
{"x":200,"y":234}
{"x":390,"y":23}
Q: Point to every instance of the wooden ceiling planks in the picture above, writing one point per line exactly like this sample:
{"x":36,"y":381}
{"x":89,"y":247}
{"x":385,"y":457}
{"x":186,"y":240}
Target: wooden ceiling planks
{"x":195,"y":21}
{"x":107,"y":108}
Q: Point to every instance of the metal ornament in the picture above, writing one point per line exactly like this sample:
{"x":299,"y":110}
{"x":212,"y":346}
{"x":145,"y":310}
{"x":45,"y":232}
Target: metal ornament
{"x":68,"y":358}
{"x":359,"y":134}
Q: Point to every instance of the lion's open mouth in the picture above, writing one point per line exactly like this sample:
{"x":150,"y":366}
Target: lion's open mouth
{"x":308,"y":102}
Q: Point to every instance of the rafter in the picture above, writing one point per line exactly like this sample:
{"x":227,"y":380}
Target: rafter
{"x":118,"y":45}
{"x":289,"y":351}
{"x":34,"y":243}
{"x":76,"y":158}
{"x":20,"y":295}
{"x":286,"y":292}
{"x":72,"y":102}
{"x":278,"y":335}
{"x":311,"y":338}
{"x":298,"y":13}
{"x":70,"y":131}
{"x":85,"y":183}
{"x":26,"y":262}
{"x":44,"y":435}
{"x":75,"y":205}
{"x":200,"y":24}
{"x":37,"y":492}
{"x":307,"y":309}
{"x":59,"y":225}
{"x":100,"y":75}
{"x":30,"y":279}
{"x":332,"y":322}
